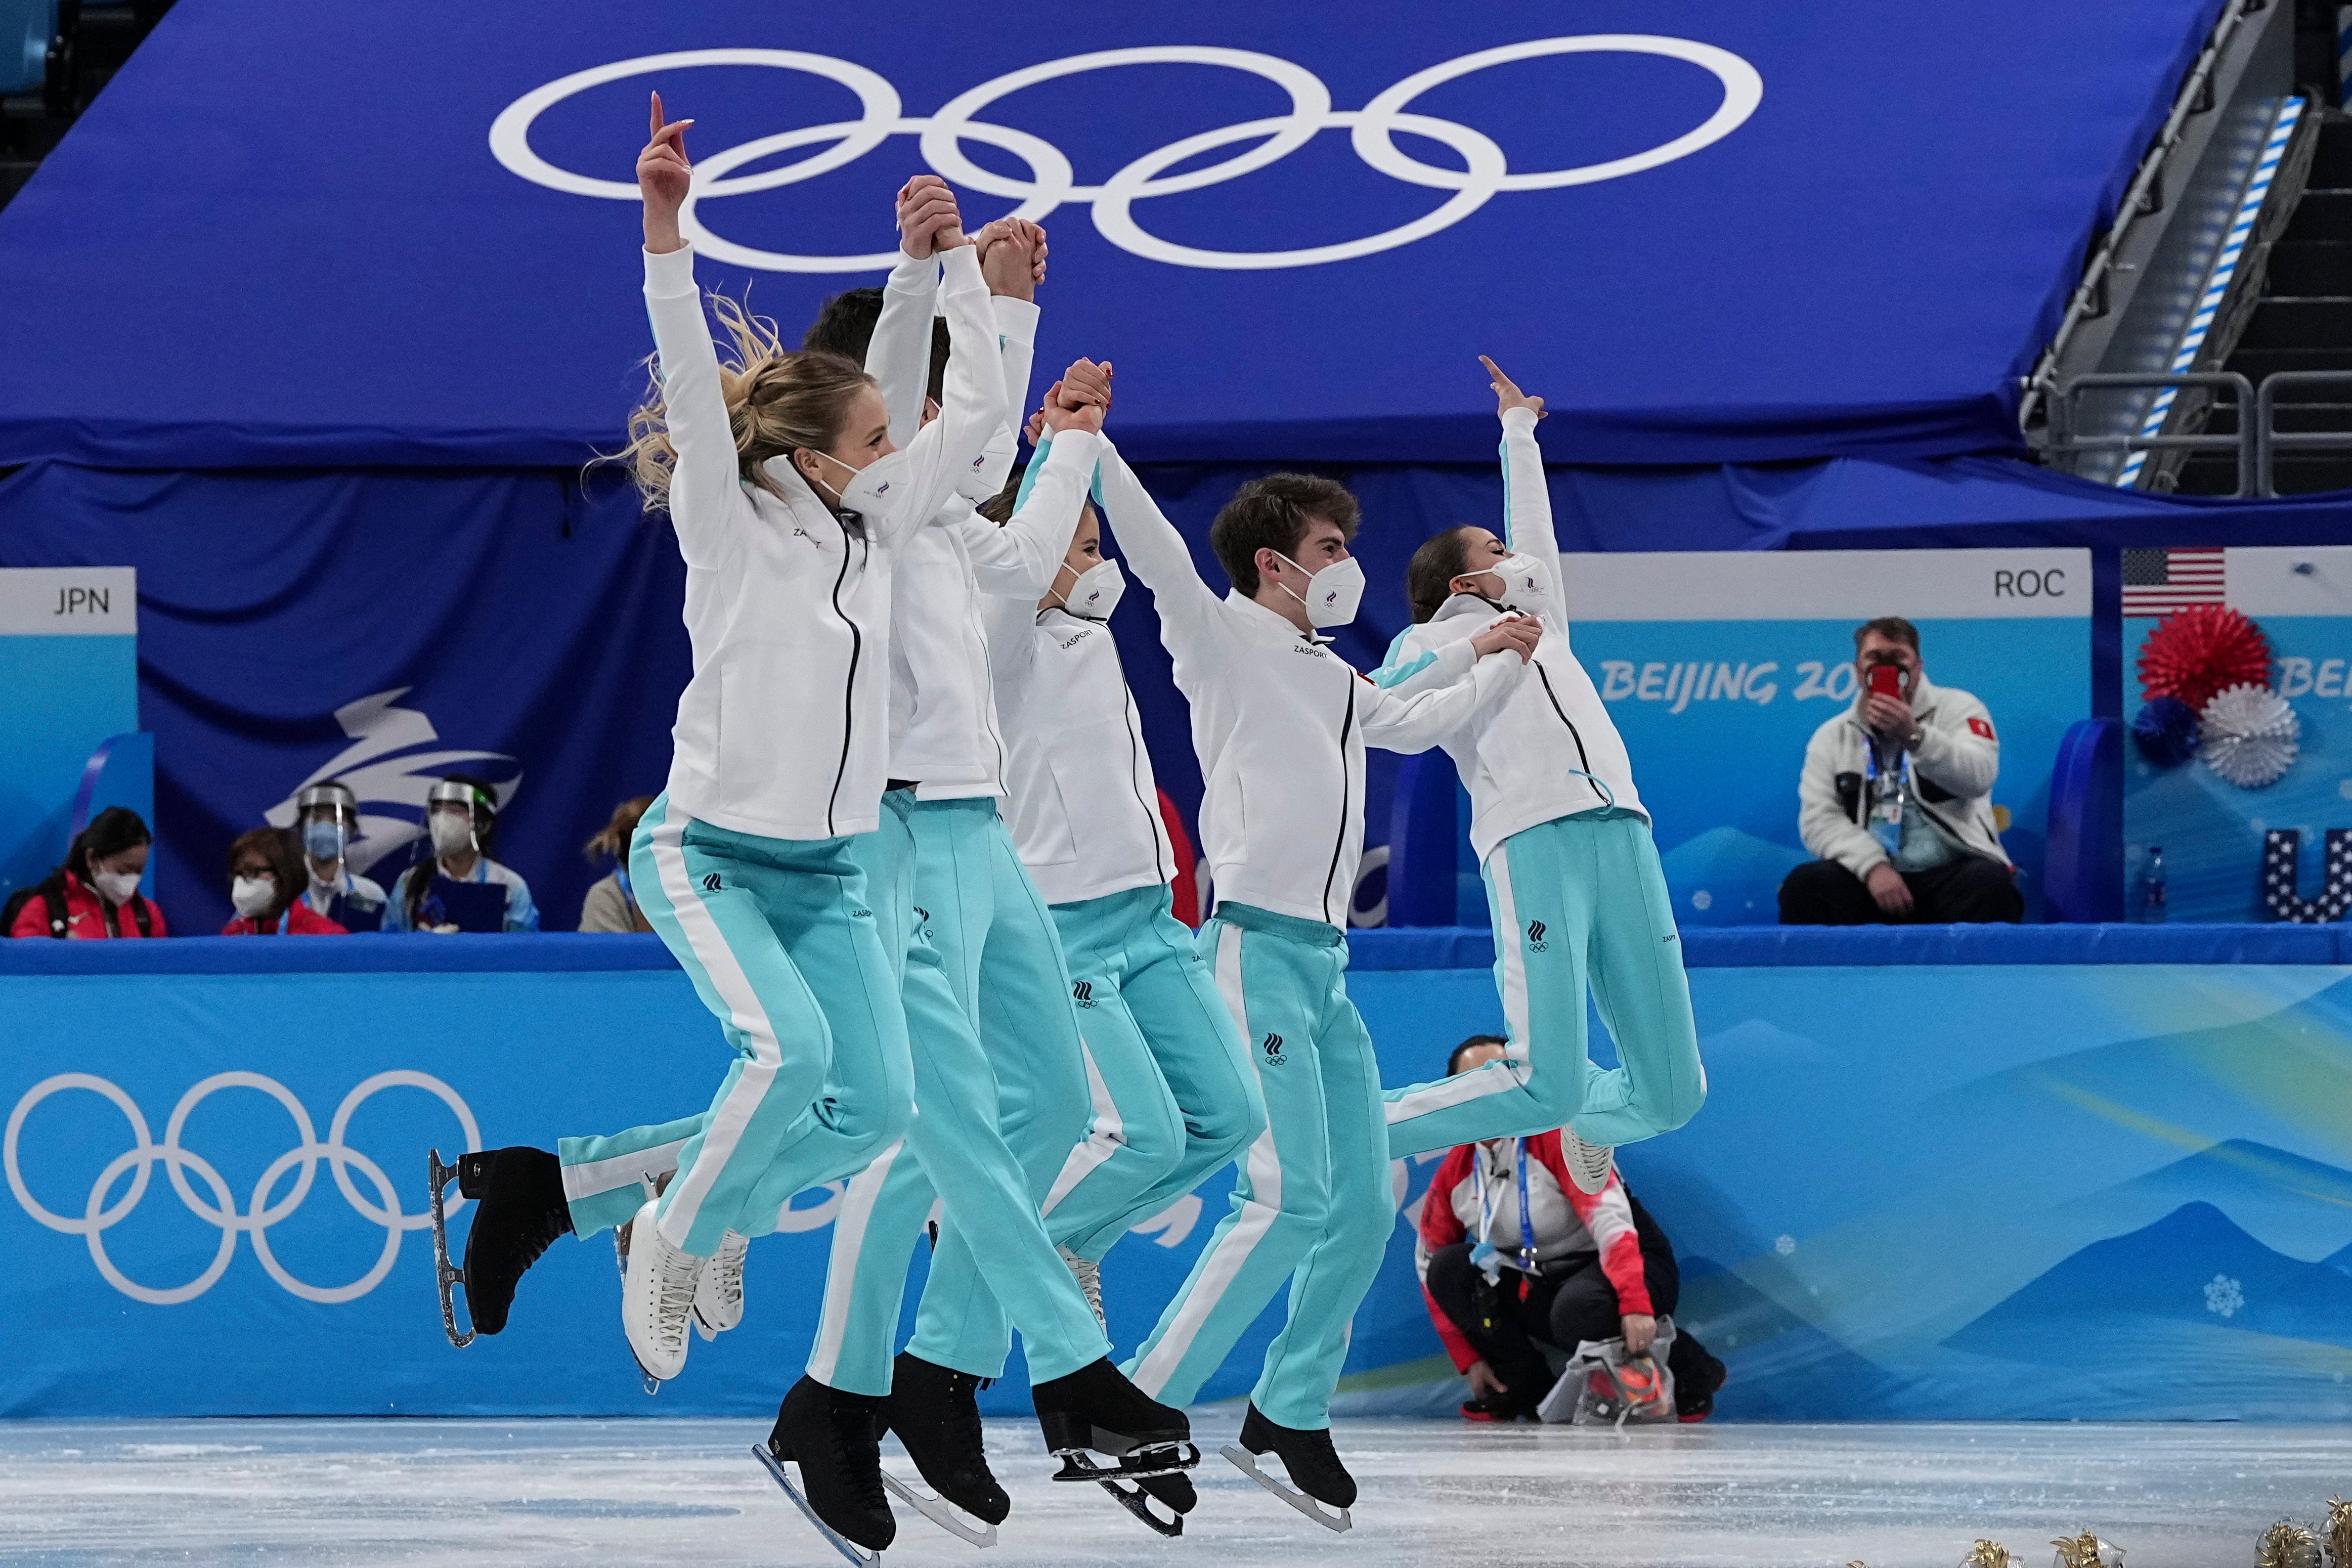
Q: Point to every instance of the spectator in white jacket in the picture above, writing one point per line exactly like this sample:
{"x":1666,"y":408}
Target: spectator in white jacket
{"x":1896,"y":799}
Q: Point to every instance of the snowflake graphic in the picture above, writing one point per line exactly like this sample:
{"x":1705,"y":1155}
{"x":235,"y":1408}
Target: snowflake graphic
{"x":1785,"y":1244}
{"x":2224,"y":1295}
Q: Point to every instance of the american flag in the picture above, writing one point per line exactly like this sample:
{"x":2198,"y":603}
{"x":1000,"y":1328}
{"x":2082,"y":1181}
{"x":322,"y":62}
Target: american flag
{"x":2158,"y":582}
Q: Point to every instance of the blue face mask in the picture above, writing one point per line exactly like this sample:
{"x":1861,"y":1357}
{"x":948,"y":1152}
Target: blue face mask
{"x":324,"y":840}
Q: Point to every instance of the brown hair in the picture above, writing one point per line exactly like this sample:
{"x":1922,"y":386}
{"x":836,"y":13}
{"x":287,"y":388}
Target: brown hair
{"x":283,"y":852}
{"x":1429,"y":576}
{"x":777,"y":400}
{"x":1894,"y":629}
{"x":612,"y":840}
{"x":1273,"y":513}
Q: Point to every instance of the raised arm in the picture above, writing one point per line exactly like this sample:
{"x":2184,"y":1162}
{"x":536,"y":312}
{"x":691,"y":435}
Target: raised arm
{"x":898,"y":355}
{"x":1151,"y":544}
{"x":703,"y":486}
{"x":1526,"y":500}
{"x":953,"y":444}
{"x":1021,"y":559}
{"x":1012,"y":260}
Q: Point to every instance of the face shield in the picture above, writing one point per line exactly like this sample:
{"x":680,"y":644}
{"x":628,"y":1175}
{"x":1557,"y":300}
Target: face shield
{"x":455,"y":813}
{"x":330,"y":816}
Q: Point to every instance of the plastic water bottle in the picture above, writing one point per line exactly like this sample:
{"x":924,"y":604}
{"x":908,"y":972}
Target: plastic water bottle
{"x":2151,"y":887}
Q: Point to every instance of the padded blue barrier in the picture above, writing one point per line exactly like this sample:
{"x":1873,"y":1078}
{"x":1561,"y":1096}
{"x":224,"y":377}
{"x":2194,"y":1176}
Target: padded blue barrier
{"x":2083,"y":867}
{"x":2158,"y":1111}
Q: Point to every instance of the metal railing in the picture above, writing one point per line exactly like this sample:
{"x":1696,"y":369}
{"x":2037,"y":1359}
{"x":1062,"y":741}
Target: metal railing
{"x":2270,"y":440}
{"x":2065,"y":424}
{"x":2142,"y":198}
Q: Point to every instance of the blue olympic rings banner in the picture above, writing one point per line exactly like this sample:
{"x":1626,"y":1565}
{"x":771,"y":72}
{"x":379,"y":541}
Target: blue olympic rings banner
{"x":2095,"y":1182}
{"x":1624,"y":204}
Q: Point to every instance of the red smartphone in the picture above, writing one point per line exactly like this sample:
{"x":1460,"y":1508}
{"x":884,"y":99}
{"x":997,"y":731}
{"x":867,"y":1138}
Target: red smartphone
{"x":1887,"y":680}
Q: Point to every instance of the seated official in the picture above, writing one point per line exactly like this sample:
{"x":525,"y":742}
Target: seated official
{"x":458,"y":887}
{"x":1602,"y":1270}
{"x":327,"y":816}
{"x":1896,"y":799}
{"x":95,"y":892}
{"x":265,"y":883}
{"x":610,"y":906}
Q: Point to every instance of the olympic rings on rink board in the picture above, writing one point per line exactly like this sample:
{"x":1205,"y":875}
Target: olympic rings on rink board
{"x":1053,"y":180}
{"x":98,"y":1216}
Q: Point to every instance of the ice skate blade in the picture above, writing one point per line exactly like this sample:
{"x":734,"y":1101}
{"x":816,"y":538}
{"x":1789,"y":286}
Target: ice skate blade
{"x":445,"y":1273}
{"x":1167,"y":1459}
{"x":847,"y":1548}
{"x":1135,"y":1500}
{"x":703,"y":1330}
{"x":940,"y":1512}
{"x":1247,"y":1464}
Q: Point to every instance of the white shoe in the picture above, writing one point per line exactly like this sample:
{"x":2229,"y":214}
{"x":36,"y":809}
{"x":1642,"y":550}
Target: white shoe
{"x":658,"y":1296}
{"x":718,"y":1295}
{"x":1589,"y":1164}
{"x":1088,"y":1274}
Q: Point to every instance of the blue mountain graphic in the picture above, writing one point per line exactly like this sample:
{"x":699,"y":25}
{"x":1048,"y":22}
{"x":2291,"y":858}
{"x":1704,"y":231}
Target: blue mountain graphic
{"x":2192,"y":1267}
{"x":2292,"y":1205}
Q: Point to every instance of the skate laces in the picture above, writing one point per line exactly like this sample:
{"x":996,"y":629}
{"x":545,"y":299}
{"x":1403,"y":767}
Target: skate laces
{"x":849,"y":1431}
{"x":1088,"y":1274}
{"x":1589,"y":1164}
{"x":725,"y":1275}
{"x":679,"y":1272}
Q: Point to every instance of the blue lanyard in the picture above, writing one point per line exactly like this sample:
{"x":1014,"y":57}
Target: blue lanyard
{"x":620,"y":875}
{"x":284,"y":916}
{"x":1870,"y":762}
{"x":1527,"y":1224}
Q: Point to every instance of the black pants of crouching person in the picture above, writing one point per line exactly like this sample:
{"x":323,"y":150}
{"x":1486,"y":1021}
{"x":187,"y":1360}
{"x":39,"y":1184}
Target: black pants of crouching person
{"x":1970,"y":889}
{"x":1508,"y":1322}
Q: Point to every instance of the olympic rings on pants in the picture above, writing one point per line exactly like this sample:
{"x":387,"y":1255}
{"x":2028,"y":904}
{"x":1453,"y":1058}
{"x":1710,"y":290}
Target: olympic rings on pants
{"x":1052,"y":181}
{"x":98,"y":1216}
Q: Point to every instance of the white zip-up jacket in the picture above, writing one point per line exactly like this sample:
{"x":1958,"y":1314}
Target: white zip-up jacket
{"x":1953,"y":769}
{"x":783,"y":732}
{"x":1527,"y":762}
{"x":1081,"y":801}
{"x":945,"y":732}
{"x":1280,"y":721}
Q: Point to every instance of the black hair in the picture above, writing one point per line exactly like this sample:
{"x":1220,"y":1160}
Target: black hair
{"x":998,"y":507}
{"x":1429,"y":576}
{"x":844,"y":326}
{"x":1273,"y":513}
{"x":1453,"y":1059}
{"x":110,"y":833}
{"x":421,"y":872}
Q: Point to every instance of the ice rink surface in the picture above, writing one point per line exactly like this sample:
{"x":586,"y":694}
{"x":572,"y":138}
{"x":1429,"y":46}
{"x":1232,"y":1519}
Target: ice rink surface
{"x":484,"y":1494}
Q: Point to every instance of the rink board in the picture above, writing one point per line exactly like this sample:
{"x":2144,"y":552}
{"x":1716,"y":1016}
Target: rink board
{"x":1956,"y":1175}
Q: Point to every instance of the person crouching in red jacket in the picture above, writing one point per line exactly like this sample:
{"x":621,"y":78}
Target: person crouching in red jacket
{"x":266,"y":879}
{"x":95,"y":893}
{"x":1601,"y":1268}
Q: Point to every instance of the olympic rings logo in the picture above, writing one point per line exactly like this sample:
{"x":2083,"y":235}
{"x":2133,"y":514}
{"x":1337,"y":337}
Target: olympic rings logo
{"x":99,"y":1214}
{"x":1052,"y":181}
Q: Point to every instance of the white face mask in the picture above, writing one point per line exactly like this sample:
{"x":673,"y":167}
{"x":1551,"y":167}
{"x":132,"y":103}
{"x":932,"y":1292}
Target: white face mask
{"x":117,"y":886}
{"x":1097,"y":591}
{"x":874,"y":490}
{"x":1333,"y":594}
{"x":453,"y":833}
{"x":252,"y":895}
{"x":1527,"y":583}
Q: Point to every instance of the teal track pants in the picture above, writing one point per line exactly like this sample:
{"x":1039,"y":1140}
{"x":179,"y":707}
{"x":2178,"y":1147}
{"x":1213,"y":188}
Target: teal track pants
{"x":996,"y":1116}
{"x":1577,"y":902}
{"x":1173,"y":1094}
{"x":779,"y":940}
{"x":1314,"y":1204}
